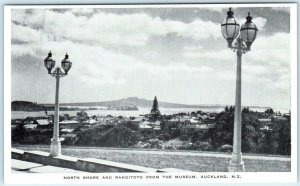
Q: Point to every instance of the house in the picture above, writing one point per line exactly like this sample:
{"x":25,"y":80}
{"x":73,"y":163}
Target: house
{"x":185,"y":118}
{"x":42,"y":124}
{"x":30,"y":126}
{"x":265,"y":123}
{"x":64,"y":136}
{"x":173,"y":120}
{"x":69,"y":138}
{"x":202,"y":116}
{"x":137,"y":120}
{"x":205,"y":126}
{"x":264,"y":120}
{"x":157,"y":126}
{"x":194,"y":120}
{"x":144,"y":126}
{"x":29,"y":120}
{"x":66,"y":130}
{"x":13,"y":126}
{"x":69,"y":124}
{"x":16,"y":121}
{"x":92,"y":121}
{"x":171,"y":124}
{"x":280,"y":118}
{"x":266,"y":128}
{"x":189,"y":129}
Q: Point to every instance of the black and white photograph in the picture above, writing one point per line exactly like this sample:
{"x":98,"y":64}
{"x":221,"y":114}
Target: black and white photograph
{"x":156,"y":93}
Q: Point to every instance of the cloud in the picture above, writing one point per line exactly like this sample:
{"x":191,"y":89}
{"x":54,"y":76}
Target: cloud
{"x":217,"y":9}
{"x":285,"y":9}
{"x":260,"y":22}
{"x":267,"y":65}
{"x":103,"y":48}
{"x":24,"y":34}
{"x":220,"y":55}
{"x":111,"y":29}
{"x":82,"y":11}
{"x":271,"y":50}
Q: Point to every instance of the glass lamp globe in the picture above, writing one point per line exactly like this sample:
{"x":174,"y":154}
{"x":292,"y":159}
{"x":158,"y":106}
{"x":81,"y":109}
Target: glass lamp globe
{"x":49,"y":62}
{"x":66,"y":64}
{"x":230,"y":28}
{"x":248,"y":31}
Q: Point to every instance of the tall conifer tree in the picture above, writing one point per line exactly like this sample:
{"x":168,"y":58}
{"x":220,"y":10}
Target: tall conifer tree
{"x":155,"y":113}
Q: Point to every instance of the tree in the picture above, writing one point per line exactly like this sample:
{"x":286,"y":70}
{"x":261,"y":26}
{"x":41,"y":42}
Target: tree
{"x":131,"y":125}
{"x":155,"y":113}
{"x":283,"y":137}
{"x":269,"y":111}
{"x":198,"y":136}
{"x":267,"y":143}
{"x":246,"y":110}
{"x":19,"y":134}
{"x":118,"y":136}
{"x":82,"y":116}
{"x":222,"y":132}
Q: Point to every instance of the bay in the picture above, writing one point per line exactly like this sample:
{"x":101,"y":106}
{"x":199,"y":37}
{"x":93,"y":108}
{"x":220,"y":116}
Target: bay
{"x":126,"y":113}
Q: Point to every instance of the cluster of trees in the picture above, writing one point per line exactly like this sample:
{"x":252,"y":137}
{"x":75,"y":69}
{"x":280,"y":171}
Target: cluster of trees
{"x":21,"y":136}
{"x":107,"y":136}
{"x":254,"y":140}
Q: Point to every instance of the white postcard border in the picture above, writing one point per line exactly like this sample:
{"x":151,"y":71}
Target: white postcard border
{"x":54,"y":178}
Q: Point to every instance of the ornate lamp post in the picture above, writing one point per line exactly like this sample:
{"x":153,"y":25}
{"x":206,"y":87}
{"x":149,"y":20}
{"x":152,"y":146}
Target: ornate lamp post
{"x":230,"y":30}
{"x":66,"y":64}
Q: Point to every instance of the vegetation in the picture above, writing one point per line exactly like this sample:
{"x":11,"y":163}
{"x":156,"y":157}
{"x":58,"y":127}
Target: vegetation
{"x":26,"y":106}
{"x":254,"y":140}
{"x":35,"y":107}
{"x":107,"y":136}
{"x":276,"y":140}
{"x":21,"y":136}
{"x":82,"y":116}
{"x":155,"y":113}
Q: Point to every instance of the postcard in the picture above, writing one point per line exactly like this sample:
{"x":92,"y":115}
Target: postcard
{"x":150,"y":93}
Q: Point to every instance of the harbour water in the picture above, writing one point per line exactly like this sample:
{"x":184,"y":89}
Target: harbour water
{"x":133,"y":113}
{"x":126,"y":113}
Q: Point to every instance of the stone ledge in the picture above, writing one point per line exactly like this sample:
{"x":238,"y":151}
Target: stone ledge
{"x":17,"y":154}
{"x":86,"y":164}
{"x":98,"y":165}
{"x":172,"y":170}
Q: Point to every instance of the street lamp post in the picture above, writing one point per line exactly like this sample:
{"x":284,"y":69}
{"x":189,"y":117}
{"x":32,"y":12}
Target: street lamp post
{"x":66,"y":64}
{"x":230,"y":30}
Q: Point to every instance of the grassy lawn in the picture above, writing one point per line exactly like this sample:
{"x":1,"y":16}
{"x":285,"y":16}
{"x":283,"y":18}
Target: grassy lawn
{"x":161,"y":159}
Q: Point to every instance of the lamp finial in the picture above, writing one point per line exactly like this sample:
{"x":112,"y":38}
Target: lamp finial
{"x":230,"y":13}
{"x":249,"y":18}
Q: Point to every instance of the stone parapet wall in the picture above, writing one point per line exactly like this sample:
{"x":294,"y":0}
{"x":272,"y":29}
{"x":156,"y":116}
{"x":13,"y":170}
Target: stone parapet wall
{"x":85,"y":164}
{"x":107,"y":161}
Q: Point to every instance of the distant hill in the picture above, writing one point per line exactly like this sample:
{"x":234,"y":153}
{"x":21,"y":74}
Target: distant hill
{"x":26,"y":106}
{"x":121,"y":103}
{"x":34,"y":107}
{"x":135,"y":101}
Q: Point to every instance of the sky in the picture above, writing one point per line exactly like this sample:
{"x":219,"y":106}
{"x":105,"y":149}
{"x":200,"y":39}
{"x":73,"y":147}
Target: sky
{"x":175,"y":53}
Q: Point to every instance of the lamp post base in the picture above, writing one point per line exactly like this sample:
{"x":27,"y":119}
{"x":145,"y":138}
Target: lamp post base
{"x":236,"y":167}
{"x":55,"y":149}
